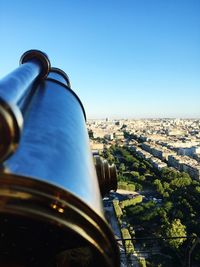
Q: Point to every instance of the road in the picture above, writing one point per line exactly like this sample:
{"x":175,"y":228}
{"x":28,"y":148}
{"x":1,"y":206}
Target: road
{"x":110,"y":215}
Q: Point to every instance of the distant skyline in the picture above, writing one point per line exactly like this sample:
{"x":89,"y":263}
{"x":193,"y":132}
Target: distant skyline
{"x":125,"y":58}
{"x":145,"y":118}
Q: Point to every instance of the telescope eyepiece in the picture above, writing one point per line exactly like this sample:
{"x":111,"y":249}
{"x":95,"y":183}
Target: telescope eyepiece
{"x":106,"y":174}
{"x":39,"y":56}
{"x":60,"y":76}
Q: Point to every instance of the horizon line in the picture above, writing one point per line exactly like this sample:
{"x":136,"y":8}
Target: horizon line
{"x":145,"y":118}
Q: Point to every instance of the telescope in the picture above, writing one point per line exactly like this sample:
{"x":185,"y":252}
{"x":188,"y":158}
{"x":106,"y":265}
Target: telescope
{"x":51,"y":188}
{"x":107,"y":175}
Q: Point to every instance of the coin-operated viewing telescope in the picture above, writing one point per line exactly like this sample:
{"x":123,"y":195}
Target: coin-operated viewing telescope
{"x":50,"y":203}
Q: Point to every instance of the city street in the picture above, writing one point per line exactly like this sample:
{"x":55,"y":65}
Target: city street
{"x":110,"y":215}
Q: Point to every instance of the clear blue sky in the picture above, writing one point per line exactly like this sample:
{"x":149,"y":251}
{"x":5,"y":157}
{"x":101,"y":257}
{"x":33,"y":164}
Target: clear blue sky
{"x":125,"y":58}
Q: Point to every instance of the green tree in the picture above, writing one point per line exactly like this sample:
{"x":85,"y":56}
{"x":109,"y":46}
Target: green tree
{"x":135,"y":166}
{"x":176,"y":229}
{"x":166,"y":185}
{"x":128,"y":243}
{"x":159,"y":187}
{"x":122,"y":167}
{"x":181,"y":182}
{"x":141,"y":178}
{"x":168,"y":206}
{"x":197,"y":188}
{"x":135,"y":174}
{"x":117,"y":208}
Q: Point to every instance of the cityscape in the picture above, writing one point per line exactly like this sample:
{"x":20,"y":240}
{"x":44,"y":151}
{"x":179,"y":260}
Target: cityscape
{"x":158,"y":165}
{"x":122,"y":188}
{"x":172,"y":142}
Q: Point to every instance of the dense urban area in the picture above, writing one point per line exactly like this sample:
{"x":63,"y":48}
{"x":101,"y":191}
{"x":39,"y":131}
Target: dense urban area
{"x":155,"y":211}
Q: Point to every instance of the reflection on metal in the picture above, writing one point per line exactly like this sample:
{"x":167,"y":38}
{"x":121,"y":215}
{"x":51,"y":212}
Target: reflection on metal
{"x":50,"y":204}
{"x":15,"y":90}
{"x":107,"y":175}
{"x":113,"y":175}
{"x":60,"y":76}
